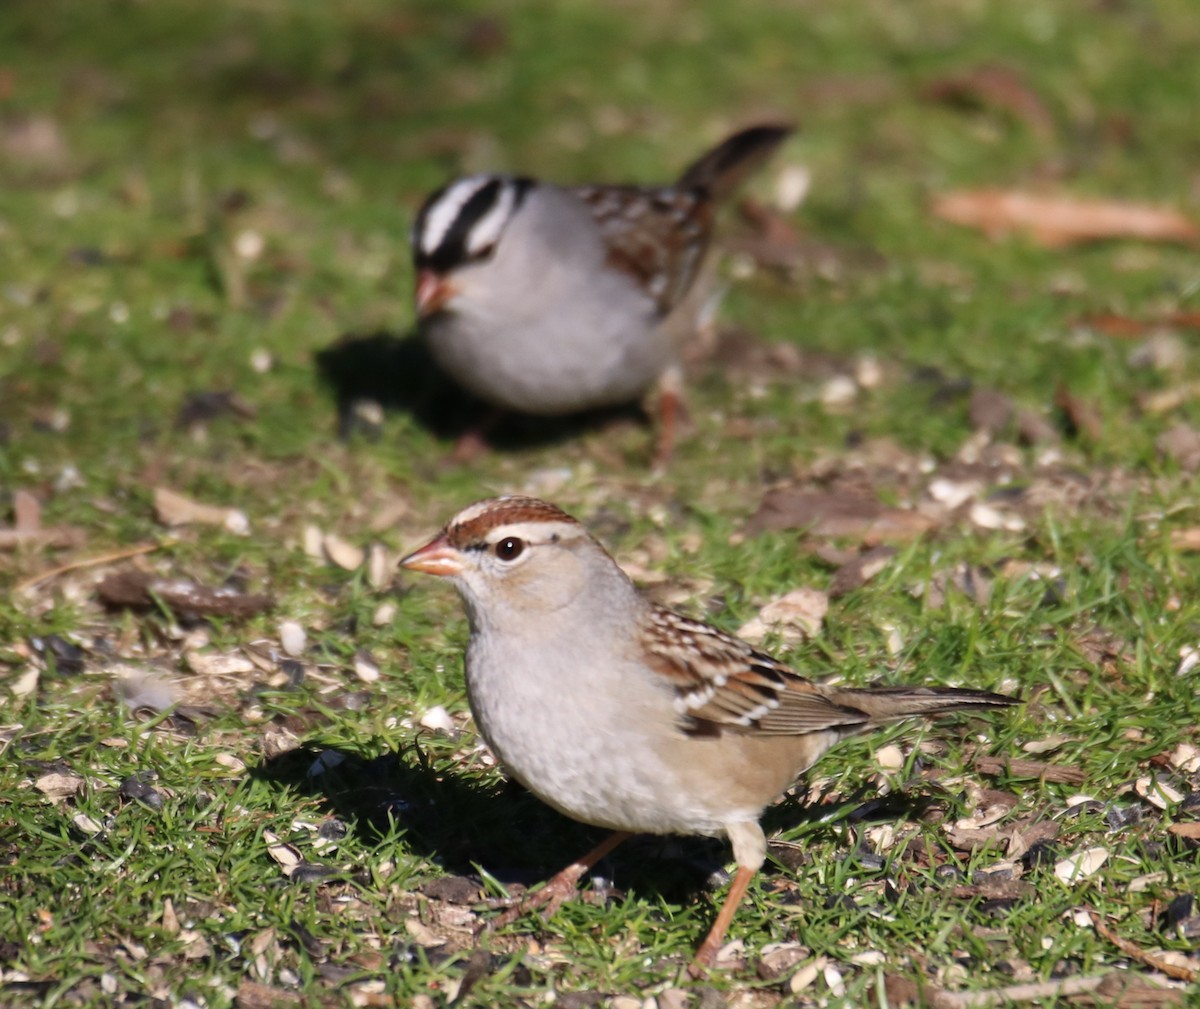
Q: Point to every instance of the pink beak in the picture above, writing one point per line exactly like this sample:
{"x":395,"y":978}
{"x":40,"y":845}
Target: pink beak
{"x":433,"y":292}
{"x":437,"y":557}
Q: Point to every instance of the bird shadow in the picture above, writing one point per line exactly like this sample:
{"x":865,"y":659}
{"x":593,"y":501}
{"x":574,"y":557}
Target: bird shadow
{"x":470,"y":825}
{"x":381,"y":371}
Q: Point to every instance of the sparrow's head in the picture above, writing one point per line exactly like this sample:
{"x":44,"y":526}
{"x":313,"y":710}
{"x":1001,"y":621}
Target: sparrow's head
{"x":459,"y":226}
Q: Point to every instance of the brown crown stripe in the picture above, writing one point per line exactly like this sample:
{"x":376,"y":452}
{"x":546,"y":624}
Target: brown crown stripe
{"x":489,"y":515}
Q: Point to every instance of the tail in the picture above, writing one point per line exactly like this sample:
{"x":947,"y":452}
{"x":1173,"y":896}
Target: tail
{"x":721,"y":170}
{"x":889,"y":704}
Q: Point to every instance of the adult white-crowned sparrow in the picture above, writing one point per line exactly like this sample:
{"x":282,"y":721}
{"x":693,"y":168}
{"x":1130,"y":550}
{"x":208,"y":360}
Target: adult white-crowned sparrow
{"x":546,"y":299}
{"x":625,"y":715}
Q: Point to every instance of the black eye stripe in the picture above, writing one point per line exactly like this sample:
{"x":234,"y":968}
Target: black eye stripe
{"x":452,"y":250}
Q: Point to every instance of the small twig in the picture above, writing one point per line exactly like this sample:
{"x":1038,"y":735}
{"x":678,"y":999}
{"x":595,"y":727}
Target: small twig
{"x":86,"y":562}
{"x":1033,"y":992}
{"x":1130,"y":948}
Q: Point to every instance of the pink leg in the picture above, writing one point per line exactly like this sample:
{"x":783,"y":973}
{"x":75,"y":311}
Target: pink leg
{"x":706,"y":955}
{"x":670,"y":406}
{"x":550,"y":897}
{"x":470,"y":445}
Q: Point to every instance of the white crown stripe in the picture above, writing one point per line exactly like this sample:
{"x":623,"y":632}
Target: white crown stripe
{"x":444,"y":213}
{"x":487,"y":229}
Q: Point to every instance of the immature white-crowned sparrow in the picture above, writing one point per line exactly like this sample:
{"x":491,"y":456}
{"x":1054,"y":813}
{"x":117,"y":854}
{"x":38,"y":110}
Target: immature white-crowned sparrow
{"x":624,"y":715}
{"x":546,"y":299}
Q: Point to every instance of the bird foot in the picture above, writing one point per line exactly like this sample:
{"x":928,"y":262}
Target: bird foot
{"x":547,"y":899}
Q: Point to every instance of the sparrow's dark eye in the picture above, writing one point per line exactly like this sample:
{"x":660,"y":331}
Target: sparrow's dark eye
{"x":510,"y":548}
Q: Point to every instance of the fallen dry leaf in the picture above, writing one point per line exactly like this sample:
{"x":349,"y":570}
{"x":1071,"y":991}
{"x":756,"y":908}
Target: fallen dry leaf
{"x":996,"y":889}
{"x":1186,"y":539}
{"x":996,"y":86}
{"x":27,"y":512}
{"x":1125,"y":328}
{"x":1189,"y":830}
{"x":836,"y":515}
{"x":56,"y":785}
{"x":1181,"y":443}
{"x":1055,"y":221}
{"x":1082,"y":415}
{"x":1029,"y":769}
{"x":1165,"y":400}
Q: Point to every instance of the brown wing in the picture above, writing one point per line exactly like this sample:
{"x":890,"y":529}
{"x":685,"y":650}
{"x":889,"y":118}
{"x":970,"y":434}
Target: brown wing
{"x":721,"y":681}
{"x":658,"y":236}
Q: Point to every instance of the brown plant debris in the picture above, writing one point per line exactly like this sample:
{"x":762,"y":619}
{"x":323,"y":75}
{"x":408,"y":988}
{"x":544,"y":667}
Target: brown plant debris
{"x":140,"y":590}
{"x":253,"y":995}
{"x":1081,"y":415}
{"x":836,"y":515}
{"x":1124,"y":327}
{"x":1115,"y":989}
{"x":995,"y":86}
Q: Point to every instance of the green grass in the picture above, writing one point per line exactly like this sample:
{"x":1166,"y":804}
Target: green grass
{"x":180,"y":131}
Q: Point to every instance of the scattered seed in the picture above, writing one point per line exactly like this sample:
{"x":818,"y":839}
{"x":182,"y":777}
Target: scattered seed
{"x":806,"y":975}
{"x":379,"y":567}
{"x":987,"y":517}
{"x":1047,"y":745}
{"x":1186,"y":757}
{"x":838,"y":391}
{"x":342,"y":552}
{"x":890,"y":757}
{"x":230,"y":761}
{"x":313,"y":540}
{"x":384,"y":614}
{"x":834,"y":981}
{"x":292,"y":638}
{"x":1080,"y":865}
{"x":25,"y":682}
{"x":137,"y":787}
{"x":365,"y":666}
{"x":286,"y":855}
{"x":438,"y":719}
{"x":953,"y":493}
{"x":86,"y":823}
{"x":1157,"y":793}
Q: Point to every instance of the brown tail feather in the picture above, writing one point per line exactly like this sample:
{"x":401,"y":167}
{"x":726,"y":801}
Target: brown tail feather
{"x":886,"y":704}
{"x":721,"y":170}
